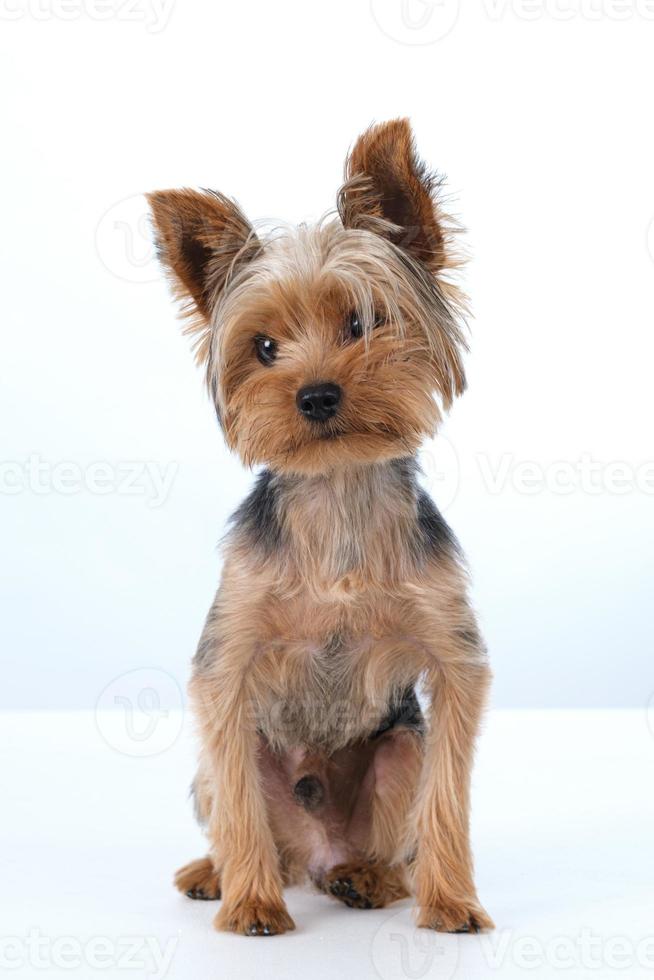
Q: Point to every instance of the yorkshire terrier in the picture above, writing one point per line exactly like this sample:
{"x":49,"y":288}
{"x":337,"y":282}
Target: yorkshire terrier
{"x":330,"y":352}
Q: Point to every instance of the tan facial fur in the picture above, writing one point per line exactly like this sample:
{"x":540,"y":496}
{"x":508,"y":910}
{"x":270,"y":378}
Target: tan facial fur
{"x":301,"y":292}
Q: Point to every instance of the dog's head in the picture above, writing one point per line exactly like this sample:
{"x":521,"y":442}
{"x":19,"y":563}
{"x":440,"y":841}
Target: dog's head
{"x":331,"y":345}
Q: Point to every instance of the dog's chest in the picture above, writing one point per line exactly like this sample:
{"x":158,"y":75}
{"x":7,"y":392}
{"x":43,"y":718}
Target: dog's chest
{"x":335,"y":651}
{"x":324,"y":703}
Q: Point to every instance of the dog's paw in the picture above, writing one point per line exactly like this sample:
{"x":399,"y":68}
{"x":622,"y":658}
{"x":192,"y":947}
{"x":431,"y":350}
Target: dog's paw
{"x":364,"y":886}
{"x":454,"y":917}
{"x":346,"y":890}
{"x":252,"y":919}
{"x":199,"y":879}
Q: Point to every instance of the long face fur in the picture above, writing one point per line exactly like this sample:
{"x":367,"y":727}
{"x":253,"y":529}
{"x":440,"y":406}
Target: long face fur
{"x":361,"y":302}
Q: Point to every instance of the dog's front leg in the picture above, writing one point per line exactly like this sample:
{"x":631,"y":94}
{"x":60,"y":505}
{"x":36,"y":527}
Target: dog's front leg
{"x":457,"y":680}
{"x":241,"y":840}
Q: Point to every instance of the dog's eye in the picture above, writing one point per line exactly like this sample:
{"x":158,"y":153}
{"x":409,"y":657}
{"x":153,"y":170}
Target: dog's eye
{"x":266,"y":349}
{"x":355,"y":324}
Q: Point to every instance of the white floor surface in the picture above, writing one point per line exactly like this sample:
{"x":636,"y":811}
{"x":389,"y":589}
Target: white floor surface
{"x":92,"y":828}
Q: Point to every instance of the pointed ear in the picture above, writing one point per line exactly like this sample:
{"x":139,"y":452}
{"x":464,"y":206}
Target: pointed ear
{"x":390,"y":191}
{"x":201,"y":237}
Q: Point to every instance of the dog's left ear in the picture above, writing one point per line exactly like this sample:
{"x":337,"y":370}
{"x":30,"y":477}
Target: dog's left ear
{"x":389,"y":190}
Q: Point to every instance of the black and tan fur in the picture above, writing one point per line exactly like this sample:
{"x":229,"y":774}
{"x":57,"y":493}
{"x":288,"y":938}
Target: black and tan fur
{"x":343,"y":587}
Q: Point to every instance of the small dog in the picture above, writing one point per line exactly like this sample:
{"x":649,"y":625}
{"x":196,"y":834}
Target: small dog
{"x":330,"y":352}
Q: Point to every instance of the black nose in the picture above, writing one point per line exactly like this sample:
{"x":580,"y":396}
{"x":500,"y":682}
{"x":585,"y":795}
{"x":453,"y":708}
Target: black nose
{"x":319,"y":402}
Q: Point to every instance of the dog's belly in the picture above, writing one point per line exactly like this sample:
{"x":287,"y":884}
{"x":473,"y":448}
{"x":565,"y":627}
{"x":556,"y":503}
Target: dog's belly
{"x":321,"y":805}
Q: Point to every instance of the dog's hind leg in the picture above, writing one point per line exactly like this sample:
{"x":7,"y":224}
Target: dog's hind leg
{"x":199,"y":879}
{"x":378,"y":827}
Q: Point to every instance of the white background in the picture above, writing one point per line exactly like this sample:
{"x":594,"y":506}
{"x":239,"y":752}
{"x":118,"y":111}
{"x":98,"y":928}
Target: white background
{"x":540,"y":115}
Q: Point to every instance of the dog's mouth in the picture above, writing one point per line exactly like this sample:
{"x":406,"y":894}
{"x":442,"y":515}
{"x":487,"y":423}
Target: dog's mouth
{"x":328,"y":431}
{"x":341,"y":446}
{"x":331,"y":433}
{"x":335,"y":443}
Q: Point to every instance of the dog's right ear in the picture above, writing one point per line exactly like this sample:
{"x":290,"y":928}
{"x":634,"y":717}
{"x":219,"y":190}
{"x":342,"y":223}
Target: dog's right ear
{"x":202,"y":238}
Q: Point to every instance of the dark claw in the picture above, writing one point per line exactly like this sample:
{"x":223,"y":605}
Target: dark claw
{"x":471,"y":926}
{"x":344,"y":889}
{"x":200,"y":895}
{"x":258,"y":929}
